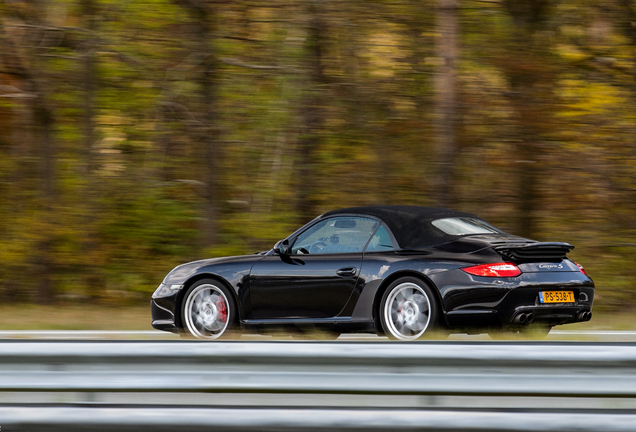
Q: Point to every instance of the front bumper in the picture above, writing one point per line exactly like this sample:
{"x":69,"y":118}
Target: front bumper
{"x":163,"y":306}
{"x":162,"y":319}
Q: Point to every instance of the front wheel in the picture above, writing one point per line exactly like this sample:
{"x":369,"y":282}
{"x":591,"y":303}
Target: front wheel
{"x":408,"y":309}
{"x":208,"y":310}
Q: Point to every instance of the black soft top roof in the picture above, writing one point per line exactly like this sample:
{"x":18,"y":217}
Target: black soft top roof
{"x":411,"y":225}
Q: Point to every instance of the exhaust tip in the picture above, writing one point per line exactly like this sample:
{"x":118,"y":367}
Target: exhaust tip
{"x":588,"y":316}
{"x":529,"y":318}
{"x":522,"y":318}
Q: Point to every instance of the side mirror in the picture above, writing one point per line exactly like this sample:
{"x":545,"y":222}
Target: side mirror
{"x":282,"y":247}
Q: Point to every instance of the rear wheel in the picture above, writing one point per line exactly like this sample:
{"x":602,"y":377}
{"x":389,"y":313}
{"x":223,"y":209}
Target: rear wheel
{"x":208,"y":310}
{"x":408,"y":310}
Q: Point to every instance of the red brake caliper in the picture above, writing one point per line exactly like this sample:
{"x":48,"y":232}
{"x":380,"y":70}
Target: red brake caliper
{"x":220,"y":305}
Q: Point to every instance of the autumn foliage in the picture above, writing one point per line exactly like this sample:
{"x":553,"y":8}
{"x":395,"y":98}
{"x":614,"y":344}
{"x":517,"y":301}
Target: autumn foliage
{"x":136,"y":135}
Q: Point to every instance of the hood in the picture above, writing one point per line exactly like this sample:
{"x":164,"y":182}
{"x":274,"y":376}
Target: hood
{"x":185,"y":271}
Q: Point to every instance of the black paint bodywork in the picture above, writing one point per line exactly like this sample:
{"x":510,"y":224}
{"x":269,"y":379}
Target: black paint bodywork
{"x":341,"y":292}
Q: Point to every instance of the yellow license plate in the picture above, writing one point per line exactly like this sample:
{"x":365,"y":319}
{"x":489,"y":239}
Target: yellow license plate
{"x":556,"y":296}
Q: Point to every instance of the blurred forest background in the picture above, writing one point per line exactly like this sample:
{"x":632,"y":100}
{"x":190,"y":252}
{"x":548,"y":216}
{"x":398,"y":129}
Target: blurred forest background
{"x":136,"y":135}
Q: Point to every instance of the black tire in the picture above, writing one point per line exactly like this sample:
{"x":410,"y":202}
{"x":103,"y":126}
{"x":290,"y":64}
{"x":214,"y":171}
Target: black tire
{"x":208,"y":310}
{"x":409,"y":310}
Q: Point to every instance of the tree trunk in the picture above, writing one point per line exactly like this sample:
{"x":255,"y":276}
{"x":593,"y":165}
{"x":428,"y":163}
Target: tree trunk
{"x":205,"y":16}
{"x":20,"y":138}
{"x":311,"y":114}
{"x":43,"y":117}
{"x":530,"y":73}
{"x":528,"y":198}
{"x":629,"y":29}
{"x":446,"y":83}
{"x":210,"y":119}
{"x":32,"y":81}
{"x":92,"y":282}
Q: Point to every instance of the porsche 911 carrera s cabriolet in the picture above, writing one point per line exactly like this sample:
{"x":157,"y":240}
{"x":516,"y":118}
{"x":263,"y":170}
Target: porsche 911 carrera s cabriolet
{"x":400,"y":271}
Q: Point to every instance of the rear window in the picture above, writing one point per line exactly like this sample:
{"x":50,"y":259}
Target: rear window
{"x":465,"y":226}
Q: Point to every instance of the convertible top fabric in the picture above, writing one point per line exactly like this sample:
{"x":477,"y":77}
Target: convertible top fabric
{"x":411,"y":225}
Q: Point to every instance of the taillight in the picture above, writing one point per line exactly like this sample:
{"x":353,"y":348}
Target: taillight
{"x":580,"y":268}
{"x":494,"y":270}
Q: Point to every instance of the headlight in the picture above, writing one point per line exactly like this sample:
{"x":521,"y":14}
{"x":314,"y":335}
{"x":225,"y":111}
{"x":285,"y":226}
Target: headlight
{"x":166,"y":290}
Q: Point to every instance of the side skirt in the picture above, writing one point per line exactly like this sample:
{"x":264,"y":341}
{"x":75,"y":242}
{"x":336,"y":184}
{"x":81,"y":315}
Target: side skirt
{"x":342,"y":325}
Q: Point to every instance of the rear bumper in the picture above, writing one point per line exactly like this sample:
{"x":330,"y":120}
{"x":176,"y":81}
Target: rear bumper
{"x":549,"y":315}
{"x":472,"y":301}
{"x":554,"y":315}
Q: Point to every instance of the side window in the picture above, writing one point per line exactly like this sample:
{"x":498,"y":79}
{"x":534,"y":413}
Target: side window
{"x":381,"y":241}
{"x":335,"y":235}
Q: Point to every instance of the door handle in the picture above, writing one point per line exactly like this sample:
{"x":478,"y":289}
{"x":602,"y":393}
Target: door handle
{"x":347,"y":271}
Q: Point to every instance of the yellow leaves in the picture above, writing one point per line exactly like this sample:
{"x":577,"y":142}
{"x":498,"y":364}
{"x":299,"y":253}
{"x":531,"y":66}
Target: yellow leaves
{"x":383,"y":53}
{"x":110,"y":159}
{"x":570,"y":52}
{"x":111,"y":130}
{"x":588,"y":97}
{"x":113,"y":119}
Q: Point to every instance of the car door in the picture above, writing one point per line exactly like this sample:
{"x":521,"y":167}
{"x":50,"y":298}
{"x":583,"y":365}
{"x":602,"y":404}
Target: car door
{"x":317,"y":278}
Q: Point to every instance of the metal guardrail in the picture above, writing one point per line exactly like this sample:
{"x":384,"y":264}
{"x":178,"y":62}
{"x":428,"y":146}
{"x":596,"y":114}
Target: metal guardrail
{"x":318,"y":378}
{"x":313,"y":420}
{"x":491,"y":369}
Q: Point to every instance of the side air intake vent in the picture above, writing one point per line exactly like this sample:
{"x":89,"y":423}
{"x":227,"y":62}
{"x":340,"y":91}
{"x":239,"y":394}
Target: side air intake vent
{"x":534,"y":252}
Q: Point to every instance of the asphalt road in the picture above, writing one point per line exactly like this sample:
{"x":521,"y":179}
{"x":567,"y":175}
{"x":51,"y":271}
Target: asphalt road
{"x":555,"y":335}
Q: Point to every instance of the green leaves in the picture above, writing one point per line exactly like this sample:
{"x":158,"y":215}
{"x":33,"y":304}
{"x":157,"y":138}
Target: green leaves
{"x":547,"y":85}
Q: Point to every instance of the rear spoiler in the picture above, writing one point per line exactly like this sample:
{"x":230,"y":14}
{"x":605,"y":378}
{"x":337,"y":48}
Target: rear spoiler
{"x":534,"y":252}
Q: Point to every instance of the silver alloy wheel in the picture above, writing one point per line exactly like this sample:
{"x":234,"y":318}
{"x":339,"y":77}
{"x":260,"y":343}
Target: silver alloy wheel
{"x":206,"y":312}
{"x":407,"y":311}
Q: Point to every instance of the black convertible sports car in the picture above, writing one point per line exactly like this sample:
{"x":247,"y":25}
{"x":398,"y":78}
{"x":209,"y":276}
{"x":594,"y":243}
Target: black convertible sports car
{"x":400,"y":271}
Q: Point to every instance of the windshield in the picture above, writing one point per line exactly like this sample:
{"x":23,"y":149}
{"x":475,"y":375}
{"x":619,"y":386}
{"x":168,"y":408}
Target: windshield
{"x":465,"y":226}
